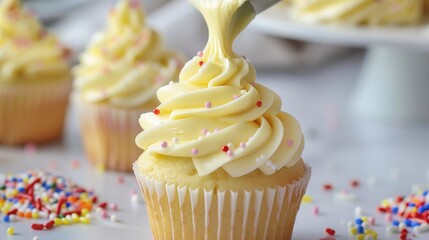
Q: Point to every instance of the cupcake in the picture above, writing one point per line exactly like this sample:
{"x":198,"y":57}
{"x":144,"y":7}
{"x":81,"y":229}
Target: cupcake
{"x":35,"y":78}
{"x":116,"y":81}
{"x":360,"y":12}
{"x":221,"y":160}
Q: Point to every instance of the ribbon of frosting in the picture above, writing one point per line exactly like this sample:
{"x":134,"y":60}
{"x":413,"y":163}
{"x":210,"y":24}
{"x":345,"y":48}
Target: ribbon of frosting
{"x":370,"y":12}
{"x":217,"y":115}
{"x":27,"y":51}
{"x":126,"y":64}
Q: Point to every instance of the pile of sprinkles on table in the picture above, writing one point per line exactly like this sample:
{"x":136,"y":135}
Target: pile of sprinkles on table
{"x":407,"y":213}
{"x":41,"y":195}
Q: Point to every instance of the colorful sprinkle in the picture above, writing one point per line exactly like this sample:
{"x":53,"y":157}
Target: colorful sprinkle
{"x":208,"y":104}
{"x":200,"y":54}
{"x":201,"y":63}
{"x":243,"y":145}
{"x":195,"y":151}
{"x":354,"y":183}
{"x":289,"y":143}
{"x":235,"y":97}
{"x":315,"y":210}
{"x":164,"y":144}
{"x":156,"y":111}
{"x":259,"y":104}
{"x":330,"y":231}
{"x":175,"y":140}
{"x":328,"y":187}
{"x":230,"y":153}
{"x":10,"y":231}
{"x":225,"y":148}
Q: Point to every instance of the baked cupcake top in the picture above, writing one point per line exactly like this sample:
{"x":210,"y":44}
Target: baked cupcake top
{"x":216,"y":115}
{"x":371,"y":12}
{"x":125,"y":64}
{"x":28,"y":53}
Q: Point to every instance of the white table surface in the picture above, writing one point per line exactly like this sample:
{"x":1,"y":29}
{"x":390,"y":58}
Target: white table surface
{"x":339,"y":148}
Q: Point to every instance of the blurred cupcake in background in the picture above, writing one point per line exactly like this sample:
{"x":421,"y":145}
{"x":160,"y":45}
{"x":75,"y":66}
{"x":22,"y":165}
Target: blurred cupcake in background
{"x":360,"y":12}
{"x":35,"y":79}
{"x":116,"y":81}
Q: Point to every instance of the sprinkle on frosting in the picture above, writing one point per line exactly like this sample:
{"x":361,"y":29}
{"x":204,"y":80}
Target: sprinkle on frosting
{"x":138,"y":63}
{"x":27,"y":51}
{"x":261,"y":129}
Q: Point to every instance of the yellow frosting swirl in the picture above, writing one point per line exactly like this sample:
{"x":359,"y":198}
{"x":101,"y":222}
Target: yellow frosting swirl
{"x":372,"y":12}
{"x":126,"y":64}
{"x":28,"y":53}
{"x":217,"y":115}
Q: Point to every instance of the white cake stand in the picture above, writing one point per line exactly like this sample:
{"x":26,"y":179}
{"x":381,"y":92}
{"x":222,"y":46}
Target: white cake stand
{"x":394,"y":83}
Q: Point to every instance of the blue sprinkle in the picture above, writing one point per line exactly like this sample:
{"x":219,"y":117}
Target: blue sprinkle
{"x":360,"y":230}
{"x":21,"y":189}
{"x":395,"y":223}
{"x":415,"y":224}
{"x":20,"y":180}
{"x":421,"y":209}
{"x":411,"y":205}
{"x":408,"y":223}
{"x":395,"y":210}
{"x":358,"y":221}
{"x":68,"y":204}
{"x":6,"y":218}
{"x":425,"y":193}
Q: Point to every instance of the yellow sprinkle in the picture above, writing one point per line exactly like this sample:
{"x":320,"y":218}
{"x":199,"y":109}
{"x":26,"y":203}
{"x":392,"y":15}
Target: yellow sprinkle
{"x":364,"y":219}
{"x":65,"y":221}
{"x":84,"y":211}
{"x":10,"y":231}
{"x":45,"y":199}
{"x":58,"y":221}
{"x":84,"y":220}
{"x":360,"y":237}
{"x":414,"y":210}
{"x":101,"y":168}
{"x":75,"y":217}
{"x":353,"y":231}
{"x":35,"y":215}
{"x":307,"y":199}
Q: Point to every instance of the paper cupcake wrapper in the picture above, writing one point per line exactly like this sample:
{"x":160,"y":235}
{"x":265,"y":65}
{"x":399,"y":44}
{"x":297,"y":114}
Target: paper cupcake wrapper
{"x":108,"y":135}
{"x":33,"y":113}
{"x":184,"y":213}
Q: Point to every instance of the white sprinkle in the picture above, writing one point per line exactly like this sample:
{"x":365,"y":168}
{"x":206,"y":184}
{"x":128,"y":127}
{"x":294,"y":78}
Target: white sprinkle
{"x":88,"y":215}
{"x":175,"y":140}
{"x":36,"y":238}
{"x":12,"y":218}
{"x":392,"y":229}
{"x":134,"y":198}
{"x":422,"y":228}
{"x":52,"y":216}
{"x":345,"y":196}
{"x":113,"y":218}
{"x":98,"y":210}
{"x":358,"y":212}
{"x":230,"y":145}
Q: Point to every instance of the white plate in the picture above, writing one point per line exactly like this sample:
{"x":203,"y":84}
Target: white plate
{"x":277,"y":21}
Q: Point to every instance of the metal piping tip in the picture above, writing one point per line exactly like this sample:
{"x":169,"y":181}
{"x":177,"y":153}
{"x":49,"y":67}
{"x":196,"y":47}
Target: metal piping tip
{"x":262,"y":5}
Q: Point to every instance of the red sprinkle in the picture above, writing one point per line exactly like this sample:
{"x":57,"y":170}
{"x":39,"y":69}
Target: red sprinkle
{"x":355,"y":183}
{"x":225,"y":148}
{"x":50,"y":224}
{"x":330,"y":231}
{"x":12,"y":212}
{"x":37,"y":226}
{"x":201,"y":63}
{"x":259,"y":104}
{"x":156,"y":111}
{"x":328,"y":187}
{"x":60,"y":205}
{"x":103,"y":205}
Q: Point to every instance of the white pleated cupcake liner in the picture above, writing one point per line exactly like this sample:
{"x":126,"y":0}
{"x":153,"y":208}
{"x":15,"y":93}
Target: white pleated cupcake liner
{"x":108,"y":134}
{"x":33,"y":112}
{"x":267,"y":213}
